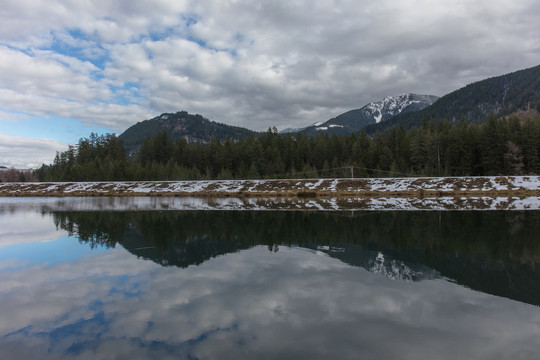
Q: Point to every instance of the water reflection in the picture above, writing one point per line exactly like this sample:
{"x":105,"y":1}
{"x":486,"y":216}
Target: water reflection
{"x":278,"y":285}
{"x":494,"y":252}
{"x":131,"y":203}
{"x":26,"y":227}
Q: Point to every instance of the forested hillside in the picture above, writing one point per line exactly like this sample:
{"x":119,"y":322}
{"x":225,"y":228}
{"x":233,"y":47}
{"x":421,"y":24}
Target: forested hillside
{"x":501,"y":95}
{"x":354,"y":120}
{"x":495,"y":147}
{"x":181,"y":125}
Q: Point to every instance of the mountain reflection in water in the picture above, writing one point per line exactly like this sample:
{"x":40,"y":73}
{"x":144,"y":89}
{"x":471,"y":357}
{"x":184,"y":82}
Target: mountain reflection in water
{"x":493,"y":252}
{"x":269,"y":285}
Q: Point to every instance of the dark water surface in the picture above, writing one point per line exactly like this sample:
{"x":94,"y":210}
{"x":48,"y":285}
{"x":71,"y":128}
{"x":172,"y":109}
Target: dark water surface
{"x":269,"y":285}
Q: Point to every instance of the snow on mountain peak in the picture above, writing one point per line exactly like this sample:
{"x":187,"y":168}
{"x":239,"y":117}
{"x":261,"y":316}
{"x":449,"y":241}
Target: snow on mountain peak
{"x":375,"y":112}
{"x":393,"y":105}
{"x":398,"y":270}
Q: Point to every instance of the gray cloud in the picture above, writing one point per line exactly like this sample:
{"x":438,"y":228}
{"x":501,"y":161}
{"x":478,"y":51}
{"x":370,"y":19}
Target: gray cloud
{"x":254,"y":304}
{"x":252,"y":64}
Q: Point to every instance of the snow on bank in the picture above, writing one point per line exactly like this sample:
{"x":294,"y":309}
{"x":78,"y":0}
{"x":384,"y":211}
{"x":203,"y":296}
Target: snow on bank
{"x":144,"y":203}
{"x":275,"y":187}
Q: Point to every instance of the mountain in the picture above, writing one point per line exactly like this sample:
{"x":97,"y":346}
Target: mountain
{"x":378,"y":262}
{"x":372,"y":113}
{"x":192,"y":128}
{"x":291,"y":130}
{"x":501,"y":95}
{"x":494,"y":252}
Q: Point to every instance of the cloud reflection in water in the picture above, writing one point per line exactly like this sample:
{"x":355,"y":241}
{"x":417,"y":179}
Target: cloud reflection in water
{"x":294,"y":303}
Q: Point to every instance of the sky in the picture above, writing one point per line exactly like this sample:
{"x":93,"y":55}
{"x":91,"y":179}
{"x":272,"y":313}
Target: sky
{"x":69,"y":67}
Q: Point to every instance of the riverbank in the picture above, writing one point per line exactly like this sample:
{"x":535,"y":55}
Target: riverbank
{"x":432,"y":187}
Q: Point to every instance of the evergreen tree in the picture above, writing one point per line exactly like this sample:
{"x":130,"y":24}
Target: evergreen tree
{"x":498,"y":146}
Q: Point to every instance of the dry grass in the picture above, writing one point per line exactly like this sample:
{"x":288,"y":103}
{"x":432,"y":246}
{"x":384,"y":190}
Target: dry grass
{"x":328,"y":188}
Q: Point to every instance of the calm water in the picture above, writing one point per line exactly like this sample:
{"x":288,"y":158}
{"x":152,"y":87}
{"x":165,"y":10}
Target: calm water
{"x":269,"y":285}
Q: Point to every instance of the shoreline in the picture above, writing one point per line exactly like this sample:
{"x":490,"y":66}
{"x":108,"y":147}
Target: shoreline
{"x":426,"y":187}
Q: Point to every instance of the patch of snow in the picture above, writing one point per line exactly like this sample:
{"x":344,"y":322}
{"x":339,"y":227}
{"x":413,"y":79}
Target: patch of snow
{"x":527,"y":182}
{"x":314,"y":204}
{"x":313,"y":186}
{"x":48,"y":204}
{"x":382,"y":185}
{"x":291,"y":130}
{"x":528,"y":203}
{"x":393,"y":105}
{"x":391,"y":268}
{"x":333,"y":185}
{"x":497,"y":185}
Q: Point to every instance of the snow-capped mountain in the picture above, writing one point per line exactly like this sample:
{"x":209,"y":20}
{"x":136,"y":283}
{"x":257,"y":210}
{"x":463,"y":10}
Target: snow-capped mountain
{"x":372,"y":113}
{"x":398,"y":270}
{"x":393,"y":105}
{"x":515,"y":93}
{"x":381,"y":263}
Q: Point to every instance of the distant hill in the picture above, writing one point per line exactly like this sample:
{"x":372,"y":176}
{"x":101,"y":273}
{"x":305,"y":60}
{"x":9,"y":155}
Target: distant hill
{"x":517,"y":92}
{"x":501,"y":95}
{"x":372,"y":113}
{"x":187,"y":238}
{"x":192,"y":128}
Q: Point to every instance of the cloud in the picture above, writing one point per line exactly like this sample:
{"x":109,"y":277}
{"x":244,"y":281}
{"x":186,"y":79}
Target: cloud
{"x":27,"y":153}
{"x":15,"y":229}
{"x":12,"y":117}
{"x":253,"y":303}
{"x":252,"y":64}
{"x":45,"y":82}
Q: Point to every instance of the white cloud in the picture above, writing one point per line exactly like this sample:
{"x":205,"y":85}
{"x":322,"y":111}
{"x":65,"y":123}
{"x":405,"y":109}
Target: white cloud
{"x":47,"y":75}
{"x":253,"y":64}
{"x":12,"y":117}
{"x":23,"y":152}
{"x":268,"y":304}
{"x":15,"y":228}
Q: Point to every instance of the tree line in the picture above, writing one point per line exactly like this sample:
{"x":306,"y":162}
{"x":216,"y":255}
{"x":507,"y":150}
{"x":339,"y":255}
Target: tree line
{"x":502,"y":236}
{"x":507,"y":146}
{"x":16,"y":175}
{"x":457,"y":244}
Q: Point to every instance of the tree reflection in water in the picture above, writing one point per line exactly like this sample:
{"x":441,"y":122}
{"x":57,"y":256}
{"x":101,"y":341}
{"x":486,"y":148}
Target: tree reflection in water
{"x":493,"y":252}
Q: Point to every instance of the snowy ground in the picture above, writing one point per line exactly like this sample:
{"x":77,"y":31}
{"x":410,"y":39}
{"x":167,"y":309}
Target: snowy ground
{"x":382,"y":187}
{"x":458,"y":193}
{"x":141,"y":203}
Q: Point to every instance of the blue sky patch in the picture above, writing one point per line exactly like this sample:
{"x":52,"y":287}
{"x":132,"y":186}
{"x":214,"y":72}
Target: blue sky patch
{"x":67,"y":131}
{"x":63,"y":250}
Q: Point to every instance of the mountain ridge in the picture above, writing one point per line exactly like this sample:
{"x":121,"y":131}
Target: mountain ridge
{"x":354,"y":120}
{"x":181,"y":125}
{"x":500,"y":95}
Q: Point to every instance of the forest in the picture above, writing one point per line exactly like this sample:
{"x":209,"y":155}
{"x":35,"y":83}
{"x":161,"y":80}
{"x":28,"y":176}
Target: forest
{"x":504,"y":146}
{"x":470,"y":247}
